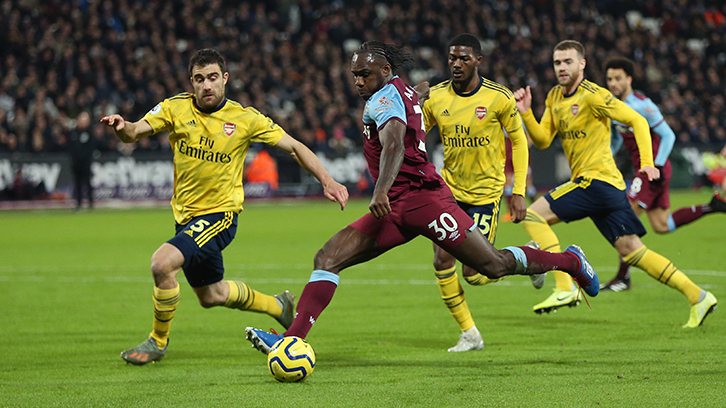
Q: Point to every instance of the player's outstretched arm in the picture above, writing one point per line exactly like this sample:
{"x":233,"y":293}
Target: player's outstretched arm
{"x":333,"y":190}
{"x":127,"y":132}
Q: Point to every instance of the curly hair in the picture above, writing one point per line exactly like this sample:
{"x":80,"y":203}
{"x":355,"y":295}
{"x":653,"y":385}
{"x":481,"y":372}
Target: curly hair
{"x":621,"y":63}
{"x":396,"y":57}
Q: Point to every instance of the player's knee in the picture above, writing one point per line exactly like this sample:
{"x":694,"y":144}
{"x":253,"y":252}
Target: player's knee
{"x":160,"y":269}
{"x":323,"y":261}
{"x":660,"y":227}
{"x":207,"y":301}
{"x":443,"y":264}
{"x":496,"y":267}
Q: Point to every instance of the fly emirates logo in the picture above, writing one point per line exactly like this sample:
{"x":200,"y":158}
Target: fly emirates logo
{"x":462,"y":138}
{"x":204,"y":152}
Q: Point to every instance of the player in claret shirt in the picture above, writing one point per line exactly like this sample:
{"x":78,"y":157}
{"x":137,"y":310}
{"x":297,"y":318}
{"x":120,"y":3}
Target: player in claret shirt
{"x":651,"y":197}
{"x":209,"y":135}
{"x":409,"y":199}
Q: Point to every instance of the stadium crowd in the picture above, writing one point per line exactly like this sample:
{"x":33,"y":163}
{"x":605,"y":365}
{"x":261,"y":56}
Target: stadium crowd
{"x":290,"y":58}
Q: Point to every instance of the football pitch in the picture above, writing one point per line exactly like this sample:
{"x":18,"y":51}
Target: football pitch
{"x":75,"y":290}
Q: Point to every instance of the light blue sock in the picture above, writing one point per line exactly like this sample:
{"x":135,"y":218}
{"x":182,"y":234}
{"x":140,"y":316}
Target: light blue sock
{"x":321,"y":275}
{"x":519,"y":257}
{"x":671,"y":224}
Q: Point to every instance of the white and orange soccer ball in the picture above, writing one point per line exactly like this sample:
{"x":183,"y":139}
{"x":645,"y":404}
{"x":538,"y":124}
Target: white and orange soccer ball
{"x":291,"y":359}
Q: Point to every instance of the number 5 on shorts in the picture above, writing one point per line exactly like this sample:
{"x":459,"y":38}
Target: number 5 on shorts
{"x":484,"y":222}
{"x":447,"y":222}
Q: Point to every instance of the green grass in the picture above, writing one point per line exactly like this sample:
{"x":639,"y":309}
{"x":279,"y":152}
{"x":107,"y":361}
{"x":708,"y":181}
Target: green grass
{"x":75,"y":290}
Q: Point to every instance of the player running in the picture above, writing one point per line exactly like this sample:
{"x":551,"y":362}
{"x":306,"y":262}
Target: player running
{"x":579,"y":112}
{"x":409,"y":199}
{"x":651,"y":197}
{"x":472,"y":114}
{"x":209,"y":136}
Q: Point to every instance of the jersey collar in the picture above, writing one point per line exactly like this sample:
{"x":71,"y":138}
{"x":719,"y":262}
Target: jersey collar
{"x":467,"y":94}
{"x":575,"y":91}
{"x":220,"y":106}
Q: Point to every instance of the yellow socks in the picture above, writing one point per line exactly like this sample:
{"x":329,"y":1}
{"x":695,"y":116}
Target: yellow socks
{"x":479,"y":280}
{"x":453,"y":295}
{"x":165,"y":301}
{"x":242,"y":297}
{"x":540,"y":232}
{"x":664,"y":271}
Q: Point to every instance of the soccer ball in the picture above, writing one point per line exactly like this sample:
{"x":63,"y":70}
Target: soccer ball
{"x":291,"y":359}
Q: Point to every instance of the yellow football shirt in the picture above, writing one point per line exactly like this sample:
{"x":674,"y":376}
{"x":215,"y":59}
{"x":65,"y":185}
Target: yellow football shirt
{"x":582,"y":121}
{"x":209,"y":152}
{"x":472,"y":128}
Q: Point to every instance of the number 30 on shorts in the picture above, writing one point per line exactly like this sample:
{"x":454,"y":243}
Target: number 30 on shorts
{"x":445,"y":223}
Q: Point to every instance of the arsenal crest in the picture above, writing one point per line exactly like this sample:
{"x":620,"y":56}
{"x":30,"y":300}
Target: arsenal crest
{"x":229,"y":128}
{"x":481,"y":112}
{"x":575,"y":108}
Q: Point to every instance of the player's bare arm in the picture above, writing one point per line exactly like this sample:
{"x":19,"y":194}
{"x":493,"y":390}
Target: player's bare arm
{"x":333,"y":190}
{"x":127,"y":132}
{"x":519,"y":208}
{"x":391,"y":137}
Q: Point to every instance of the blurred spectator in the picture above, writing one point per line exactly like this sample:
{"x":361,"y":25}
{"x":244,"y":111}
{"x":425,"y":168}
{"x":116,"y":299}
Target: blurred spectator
{"x":24,"y":189}
{"x":262,"y":169}
{"x":290,"y":58}
{"x":81,"y":146}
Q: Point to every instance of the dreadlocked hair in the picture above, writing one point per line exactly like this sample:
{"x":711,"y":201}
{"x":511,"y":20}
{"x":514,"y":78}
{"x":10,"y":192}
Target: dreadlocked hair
{"x":396,"y":57}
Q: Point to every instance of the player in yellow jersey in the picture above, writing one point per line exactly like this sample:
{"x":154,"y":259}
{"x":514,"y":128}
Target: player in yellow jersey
{"x":472,"y":114}
{"x":580,"y":112}
{"x":209,"y":135}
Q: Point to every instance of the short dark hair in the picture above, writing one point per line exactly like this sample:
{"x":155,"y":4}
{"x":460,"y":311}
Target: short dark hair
{"x":621,"y":63}
{"x":466,"y":40}
{"x":571,"y":45}
{"x":394,"y":56}
{"x":207,"y":56}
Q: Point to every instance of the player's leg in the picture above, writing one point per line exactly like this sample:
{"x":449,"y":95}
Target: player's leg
{"x":346,"y":248}
{"x":537,"y":225}
{"x":166,"y":263}
{"x":188,"y":250}
{"x":239,"y":295}
{"x":485,"y":217}
{"x":660,"y":268}
{"x":687,"y":215}
{"x":621,"y":281}
{"x":446,"y":224}
{"x":480,"y":254}
{"x":455,"y":300}
{"x":202,"y":242}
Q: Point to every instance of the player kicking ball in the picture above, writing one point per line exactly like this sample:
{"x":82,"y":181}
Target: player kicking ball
{"x":409,"y":199}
